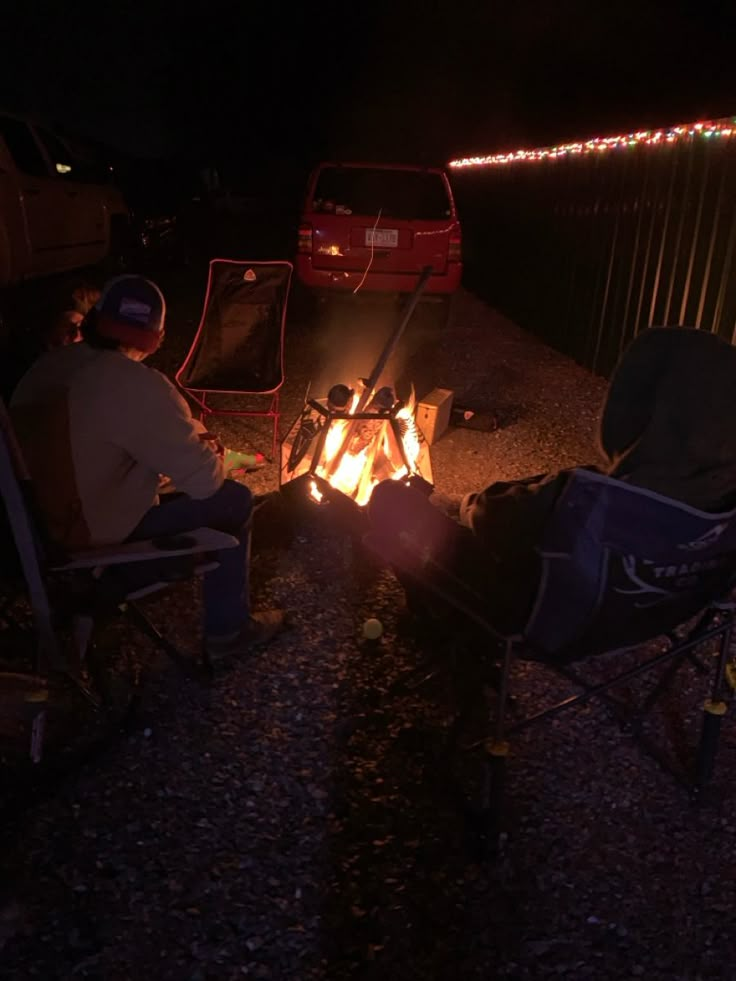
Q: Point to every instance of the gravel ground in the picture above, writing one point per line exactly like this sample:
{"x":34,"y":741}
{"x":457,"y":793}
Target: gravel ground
{"x":276,"y":825}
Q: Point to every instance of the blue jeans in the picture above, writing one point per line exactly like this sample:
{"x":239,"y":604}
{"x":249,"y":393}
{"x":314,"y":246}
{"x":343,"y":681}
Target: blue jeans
{"x":225,"y":589}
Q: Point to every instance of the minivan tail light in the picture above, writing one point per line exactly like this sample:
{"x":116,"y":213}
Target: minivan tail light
{"x":304,"y":244}
{"x":455,"y":251}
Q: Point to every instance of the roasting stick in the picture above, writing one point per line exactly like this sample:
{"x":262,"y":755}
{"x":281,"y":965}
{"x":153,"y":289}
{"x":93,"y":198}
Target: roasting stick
{"x":373,"y":378}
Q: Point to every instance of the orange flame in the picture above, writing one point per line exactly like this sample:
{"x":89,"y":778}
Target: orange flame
{"x":372,"y":453}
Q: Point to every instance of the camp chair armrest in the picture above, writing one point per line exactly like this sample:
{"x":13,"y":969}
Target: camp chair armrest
{"x":165,"y":547}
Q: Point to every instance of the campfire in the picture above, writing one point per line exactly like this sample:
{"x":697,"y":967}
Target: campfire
{"x":348,"y":441}
{"x":336,"y":443}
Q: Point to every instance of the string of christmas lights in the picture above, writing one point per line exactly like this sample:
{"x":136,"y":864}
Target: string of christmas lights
{"x":600,"y":144}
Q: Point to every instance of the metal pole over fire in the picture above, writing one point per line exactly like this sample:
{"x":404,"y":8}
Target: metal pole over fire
{"x":371,"y":382}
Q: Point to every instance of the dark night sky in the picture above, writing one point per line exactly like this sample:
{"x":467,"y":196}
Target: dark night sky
{"x":398,"y":80}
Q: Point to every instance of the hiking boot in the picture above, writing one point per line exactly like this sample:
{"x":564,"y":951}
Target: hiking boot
{"x":260,"y":630}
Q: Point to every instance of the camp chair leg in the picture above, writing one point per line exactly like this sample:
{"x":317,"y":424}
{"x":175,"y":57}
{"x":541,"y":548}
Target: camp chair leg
{"x":496,"y":763}
{"x":714,"y":709}
{"x":139,"y":620}
{"x":82,"y":629}
{"x":710,"y":733}
{"x":632,"y":716}
{"x":275,"y":409}
{"x":273,"y":412}
{"x":623,"y":712}
{"x":38,"y":732}
{"x":664,"y":683}
{"x":668,"y":676}
{"x":421,"y":675}
{"x":496,"y":750}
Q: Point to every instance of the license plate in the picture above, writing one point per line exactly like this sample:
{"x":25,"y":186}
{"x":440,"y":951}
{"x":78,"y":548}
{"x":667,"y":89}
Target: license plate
{"x":383,"y":238}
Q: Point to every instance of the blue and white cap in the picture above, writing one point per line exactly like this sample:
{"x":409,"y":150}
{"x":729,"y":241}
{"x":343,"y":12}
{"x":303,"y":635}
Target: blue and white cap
{"x":132,"y":310}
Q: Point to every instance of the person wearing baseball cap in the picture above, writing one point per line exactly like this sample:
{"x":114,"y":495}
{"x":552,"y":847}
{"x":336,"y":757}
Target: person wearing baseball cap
{"x":105,"y":427}
{"x":130,"y":314}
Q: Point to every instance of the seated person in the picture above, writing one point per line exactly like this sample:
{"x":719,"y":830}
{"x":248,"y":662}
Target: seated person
{"x":65,"y":329}
{"x":667,"y":426}
{"x":98,"y":427}
{"x":32,"y":334}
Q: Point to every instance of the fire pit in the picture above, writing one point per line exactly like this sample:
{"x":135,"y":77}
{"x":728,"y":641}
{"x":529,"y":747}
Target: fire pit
{"x":346,"y":442}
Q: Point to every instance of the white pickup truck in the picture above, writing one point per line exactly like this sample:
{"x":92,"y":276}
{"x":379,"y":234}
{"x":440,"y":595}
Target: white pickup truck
{"x":56,"y":212}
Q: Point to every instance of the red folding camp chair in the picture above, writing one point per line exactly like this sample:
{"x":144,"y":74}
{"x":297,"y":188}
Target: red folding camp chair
{"x":239,"y":345}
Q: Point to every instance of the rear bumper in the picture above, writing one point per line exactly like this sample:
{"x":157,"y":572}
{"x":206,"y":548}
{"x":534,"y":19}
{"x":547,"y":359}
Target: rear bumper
{"x":340,"y":281}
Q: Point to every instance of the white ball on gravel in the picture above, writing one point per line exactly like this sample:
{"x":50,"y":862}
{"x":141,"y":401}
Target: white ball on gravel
{"x":372,"y":629}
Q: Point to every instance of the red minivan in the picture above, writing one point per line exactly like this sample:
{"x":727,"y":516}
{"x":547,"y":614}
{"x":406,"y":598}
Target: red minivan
{"x":374,"y":227}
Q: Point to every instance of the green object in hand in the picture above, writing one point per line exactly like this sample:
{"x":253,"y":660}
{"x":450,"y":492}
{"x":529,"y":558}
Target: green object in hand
{"x":243,"y":461}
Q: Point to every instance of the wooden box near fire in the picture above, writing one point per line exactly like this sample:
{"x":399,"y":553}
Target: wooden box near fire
{"x":433,"y":413}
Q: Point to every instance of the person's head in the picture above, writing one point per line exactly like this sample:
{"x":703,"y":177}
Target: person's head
{"x":84,"y":298}
{"x":128,"y":317}
{"x":65,"y":330}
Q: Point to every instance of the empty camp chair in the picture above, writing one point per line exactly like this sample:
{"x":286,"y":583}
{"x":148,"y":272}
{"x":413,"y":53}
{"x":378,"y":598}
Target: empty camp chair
{"x":239,"y":345}
{"x":621,"y":566}
{"x":69,"y":593}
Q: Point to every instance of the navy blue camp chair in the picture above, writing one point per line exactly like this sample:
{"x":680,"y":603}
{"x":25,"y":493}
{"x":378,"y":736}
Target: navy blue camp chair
{"x":621,"y":566}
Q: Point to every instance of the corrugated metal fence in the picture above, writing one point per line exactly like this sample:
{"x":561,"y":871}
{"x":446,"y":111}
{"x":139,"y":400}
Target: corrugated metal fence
{"x":588,"y":250}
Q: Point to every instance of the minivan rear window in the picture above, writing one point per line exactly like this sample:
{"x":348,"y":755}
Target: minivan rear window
{"x":404,"y":194}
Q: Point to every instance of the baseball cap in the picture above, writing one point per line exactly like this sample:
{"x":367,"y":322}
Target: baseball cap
{"x":132,"y":310}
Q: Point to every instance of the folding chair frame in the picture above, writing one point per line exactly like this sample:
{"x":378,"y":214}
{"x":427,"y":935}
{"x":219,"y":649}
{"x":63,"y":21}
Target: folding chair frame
{"x":273,"y":411}
{"x":714,"y":624}
{"x":199,"y":396}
